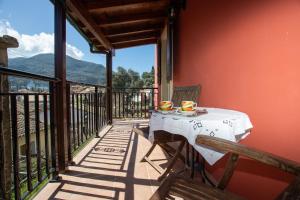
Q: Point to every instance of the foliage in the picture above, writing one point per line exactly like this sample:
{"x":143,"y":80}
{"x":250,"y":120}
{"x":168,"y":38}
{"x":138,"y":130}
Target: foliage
{"x":123,"y":78}
{"x":148,"y":78}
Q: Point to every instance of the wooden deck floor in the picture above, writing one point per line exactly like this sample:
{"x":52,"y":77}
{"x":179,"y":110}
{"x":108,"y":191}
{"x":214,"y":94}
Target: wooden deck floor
{"x":109,"y":168}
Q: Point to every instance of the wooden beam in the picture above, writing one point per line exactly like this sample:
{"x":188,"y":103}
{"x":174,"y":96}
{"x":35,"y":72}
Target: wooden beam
{"x":80,"y":12}
{"x":133,"y":28}
{"x":133,"y":33}
{"x":60,"y":73}
{"x":129,"y":7}
{"x":109,"y":3}
{"x":110,"y":19}
{"x":136,"y":36}
{"x":133,"y":22}
{"x":120,"y":45}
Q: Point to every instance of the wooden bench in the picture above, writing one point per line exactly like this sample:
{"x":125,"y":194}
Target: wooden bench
{"x":190,"y":189}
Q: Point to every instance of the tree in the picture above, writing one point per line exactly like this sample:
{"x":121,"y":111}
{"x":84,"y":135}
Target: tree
{"x":123,"y":78}
{"x":148,"y":78}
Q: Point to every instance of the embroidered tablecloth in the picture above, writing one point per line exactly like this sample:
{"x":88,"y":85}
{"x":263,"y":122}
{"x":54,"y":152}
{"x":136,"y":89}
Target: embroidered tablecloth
{"x":222,"y":123}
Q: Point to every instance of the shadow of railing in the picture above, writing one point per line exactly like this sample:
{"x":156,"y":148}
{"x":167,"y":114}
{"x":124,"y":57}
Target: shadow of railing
{"x":107,"y":171}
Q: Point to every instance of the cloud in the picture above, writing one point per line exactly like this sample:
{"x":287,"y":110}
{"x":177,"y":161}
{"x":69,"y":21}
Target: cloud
{"x":30,"y":45}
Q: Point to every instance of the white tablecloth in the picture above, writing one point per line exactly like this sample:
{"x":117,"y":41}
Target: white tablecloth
{"x":227,"y":124}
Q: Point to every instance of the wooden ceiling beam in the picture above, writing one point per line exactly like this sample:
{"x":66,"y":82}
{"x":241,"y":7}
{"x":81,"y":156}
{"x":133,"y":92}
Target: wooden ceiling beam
{"x":127,"y":29}
{"x":135,"y":43}
{"x":78,"y":9}
{"x":113,"y":19}
{"x":130,"y":43}
{"x":135,"y":22}
{"x":94,"y":4}
{"x":146,"y":31}
{"x":128,"y":7}
{"x":134,"y":37}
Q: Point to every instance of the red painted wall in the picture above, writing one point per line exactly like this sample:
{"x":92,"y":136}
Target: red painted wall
{"x":246,"y":55}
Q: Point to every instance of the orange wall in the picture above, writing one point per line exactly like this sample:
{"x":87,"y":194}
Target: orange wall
{"x":246,"y":55}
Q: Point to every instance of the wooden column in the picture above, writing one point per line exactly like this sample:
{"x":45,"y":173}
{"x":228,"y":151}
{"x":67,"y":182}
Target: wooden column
{"x":109,"y":86}
{"x":5,"y":132}
{"x":170,"y":43}
{"x":60,"y":97}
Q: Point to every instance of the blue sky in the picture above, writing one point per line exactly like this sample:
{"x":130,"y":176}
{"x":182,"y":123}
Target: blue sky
{"x":34,"y":27}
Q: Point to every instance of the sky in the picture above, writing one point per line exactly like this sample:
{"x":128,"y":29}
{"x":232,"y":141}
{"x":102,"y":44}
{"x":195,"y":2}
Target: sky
{"x":33,"y":26}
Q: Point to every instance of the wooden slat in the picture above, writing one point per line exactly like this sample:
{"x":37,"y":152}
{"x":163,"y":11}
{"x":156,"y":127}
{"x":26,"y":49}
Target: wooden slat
{"x":134,"y":37}
{"x":130,"y":34}
{"x":242,"y":150}
{"x":292,"y":191}
{"x":112,"y":19}
{"x":127,"y":7}
{"x":134,"y":28}
{"x":78,"y":9}
{"x":163,"y":190}
{"x":229,"y":169}
{"x":127,"y":44}
{"x":109,"y":3}
{"x":136,"y":22}
{"x":203,"y":192}
{"x":132,"y":43}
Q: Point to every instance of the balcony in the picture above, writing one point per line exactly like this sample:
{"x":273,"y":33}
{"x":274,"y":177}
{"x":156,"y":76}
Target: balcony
{"x":95,"y":148}
{"x":244,"y":54}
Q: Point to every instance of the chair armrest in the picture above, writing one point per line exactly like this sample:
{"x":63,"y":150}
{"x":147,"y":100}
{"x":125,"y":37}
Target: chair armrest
{"x":242,"y":150}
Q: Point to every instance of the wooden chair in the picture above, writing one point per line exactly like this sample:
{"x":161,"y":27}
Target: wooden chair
{"x":191,"y":189}
{"x":162,"y":138}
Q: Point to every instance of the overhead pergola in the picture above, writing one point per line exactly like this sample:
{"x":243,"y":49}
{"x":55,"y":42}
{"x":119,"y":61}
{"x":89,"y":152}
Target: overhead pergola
{"x":115,"y":24}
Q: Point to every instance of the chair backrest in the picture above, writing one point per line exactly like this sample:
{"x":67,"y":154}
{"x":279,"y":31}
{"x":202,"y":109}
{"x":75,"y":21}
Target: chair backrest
{"x":190,"y":93}
{"x":236,"y":150}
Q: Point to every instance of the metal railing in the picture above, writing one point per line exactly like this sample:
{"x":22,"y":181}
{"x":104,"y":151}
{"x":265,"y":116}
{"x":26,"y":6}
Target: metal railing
{"x":32,"y":130}
{"x":133,"y":102}
{"x":87,"y":114}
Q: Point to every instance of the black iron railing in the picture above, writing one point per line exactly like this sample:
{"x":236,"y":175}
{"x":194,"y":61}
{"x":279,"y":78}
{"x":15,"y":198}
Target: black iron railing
{"x":32,"y":130}
{"x":33,"y":124}
{"x":87,"y":113}
{"x":133,"y":102}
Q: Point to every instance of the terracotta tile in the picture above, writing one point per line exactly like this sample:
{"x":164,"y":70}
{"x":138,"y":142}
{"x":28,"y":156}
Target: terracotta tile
{"x":110,"y":168}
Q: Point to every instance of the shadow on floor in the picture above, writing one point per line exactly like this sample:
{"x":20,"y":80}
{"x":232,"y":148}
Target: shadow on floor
{"x":110,"y":170}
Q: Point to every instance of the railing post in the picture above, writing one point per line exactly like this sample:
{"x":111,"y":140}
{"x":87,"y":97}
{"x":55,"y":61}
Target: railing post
{"x":109,"y":87}
{"x":97,"y":111}
{"x":152,"y":99}
{"x":68,"y":96}
{"x":60,"y":73}
{"x":53,"y":132}
{"x":5,"y":128}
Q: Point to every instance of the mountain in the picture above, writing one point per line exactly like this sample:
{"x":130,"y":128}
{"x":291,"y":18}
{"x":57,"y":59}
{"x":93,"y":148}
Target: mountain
{"x":77,"y":70}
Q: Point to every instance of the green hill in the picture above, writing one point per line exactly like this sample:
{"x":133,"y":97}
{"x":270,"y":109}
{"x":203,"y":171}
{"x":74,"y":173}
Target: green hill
{"x":43,"y":64}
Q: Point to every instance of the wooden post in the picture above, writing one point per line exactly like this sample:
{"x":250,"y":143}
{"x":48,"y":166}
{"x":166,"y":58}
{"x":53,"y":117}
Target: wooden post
{"x":60,"y":73}
{"x":109,"y":86}
{"x":5,"y":132}
{"x":170,"y":41}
